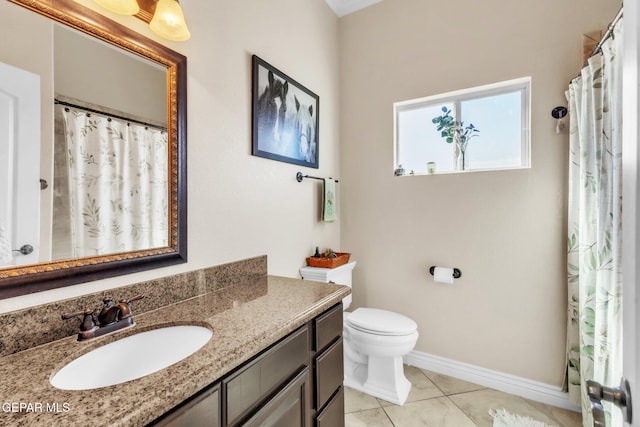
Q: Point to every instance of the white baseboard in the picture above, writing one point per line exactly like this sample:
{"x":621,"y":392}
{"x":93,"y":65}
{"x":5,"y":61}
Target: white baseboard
{"x":534,"y":390}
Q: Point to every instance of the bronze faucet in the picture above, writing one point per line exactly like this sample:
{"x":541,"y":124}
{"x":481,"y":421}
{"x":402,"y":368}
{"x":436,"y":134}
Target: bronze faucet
{"x":111,"y":318}
{"x":109,"y":312}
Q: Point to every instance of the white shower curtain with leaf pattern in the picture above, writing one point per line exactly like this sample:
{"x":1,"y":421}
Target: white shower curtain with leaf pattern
{"x":118,"y":184}
{"x":594,"y":338}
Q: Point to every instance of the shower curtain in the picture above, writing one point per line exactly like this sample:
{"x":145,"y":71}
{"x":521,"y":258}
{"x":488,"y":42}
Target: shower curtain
{"x":594,"y":264}
{"x":118,"y":188}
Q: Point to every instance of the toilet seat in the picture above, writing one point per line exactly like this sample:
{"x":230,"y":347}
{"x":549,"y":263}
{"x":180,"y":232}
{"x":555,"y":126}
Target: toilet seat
{"x":380,"y":322}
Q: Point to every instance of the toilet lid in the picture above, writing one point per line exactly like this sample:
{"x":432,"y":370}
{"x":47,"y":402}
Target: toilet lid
{"x":381,"y":322}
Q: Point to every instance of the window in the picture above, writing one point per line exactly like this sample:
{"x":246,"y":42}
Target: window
{"x":483,"y":128}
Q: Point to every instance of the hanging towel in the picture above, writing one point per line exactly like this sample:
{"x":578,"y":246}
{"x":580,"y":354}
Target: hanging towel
{"x":5,"y":247}
{"x":329,"y":203}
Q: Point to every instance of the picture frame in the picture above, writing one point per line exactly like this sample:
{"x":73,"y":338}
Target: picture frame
{"x":285,"y":117}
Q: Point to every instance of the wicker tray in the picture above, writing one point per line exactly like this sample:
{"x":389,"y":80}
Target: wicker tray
{"x":322,"y":262}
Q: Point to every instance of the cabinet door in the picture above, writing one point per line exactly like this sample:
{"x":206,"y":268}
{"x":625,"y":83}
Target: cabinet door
{"x":265,"y":375}
{"x":203,"y":410}
{"x":329,"y":373}
{"x":333,"y":414}
{"x":288,"y":408}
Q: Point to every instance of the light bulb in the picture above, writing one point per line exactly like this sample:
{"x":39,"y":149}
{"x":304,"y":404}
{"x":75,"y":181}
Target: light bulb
{"x":168,"y":21}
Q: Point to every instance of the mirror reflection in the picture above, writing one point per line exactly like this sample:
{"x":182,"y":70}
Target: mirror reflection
{"x":103,"y":182}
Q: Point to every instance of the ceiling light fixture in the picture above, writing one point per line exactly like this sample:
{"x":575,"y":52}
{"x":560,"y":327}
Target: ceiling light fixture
{"x":123,"y":7}
{"x":168,"y":18}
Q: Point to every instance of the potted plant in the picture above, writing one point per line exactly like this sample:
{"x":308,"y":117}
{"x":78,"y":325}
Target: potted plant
{"x":454,"y":131}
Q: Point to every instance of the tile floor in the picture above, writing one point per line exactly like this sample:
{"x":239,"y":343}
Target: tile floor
{"x":439,"y":401}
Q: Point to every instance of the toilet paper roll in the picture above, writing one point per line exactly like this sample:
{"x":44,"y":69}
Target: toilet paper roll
{"x":443,"y":275}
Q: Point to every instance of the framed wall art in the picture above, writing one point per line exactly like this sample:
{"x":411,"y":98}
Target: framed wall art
{"x":285,"y":117}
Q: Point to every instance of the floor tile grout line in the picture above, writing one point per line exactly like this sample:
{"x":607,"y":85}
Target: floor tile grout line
{"x":432,"y":382}
{"x":388,"y":417}
{"x":462,"y":394}
{"x":460,"y":409}
{"x":422,"y":400}
{"x":448,"y":395}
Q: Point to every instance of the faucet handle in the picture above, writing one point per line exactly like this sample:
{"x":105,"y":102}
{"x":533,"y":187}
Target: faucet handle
{"x":88,"y":323}
{"x":125,"y":310}
{"x":66,"y":316}
{"x":135,"y":298}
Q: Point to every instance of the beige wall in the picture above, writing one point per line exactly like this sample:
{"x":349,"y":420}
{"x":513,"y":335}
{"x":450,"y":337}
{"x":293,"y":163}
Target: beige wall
{"x":241,"y":206}
{"x":505,"y":230}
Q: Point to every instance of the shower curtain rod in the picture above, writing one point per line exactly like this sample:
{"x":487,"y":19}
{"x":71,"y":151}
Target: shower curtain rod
{"x":115,"y":116}
{"x":607,"y":33}
{"x":605,"y":37}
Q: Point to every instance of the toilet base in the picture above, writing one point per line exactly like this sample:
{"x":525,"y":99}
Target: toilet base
{"x":381,"y":377}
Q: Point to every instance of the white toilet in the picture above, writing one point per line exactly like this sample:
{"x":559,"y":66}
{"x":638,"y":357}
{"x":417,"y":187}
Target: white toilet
{"x":374,"y":342}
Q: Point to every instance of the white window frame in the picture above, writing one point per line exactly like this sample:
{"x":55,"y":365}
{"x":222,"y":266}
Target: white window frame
{"x":522,"y":85}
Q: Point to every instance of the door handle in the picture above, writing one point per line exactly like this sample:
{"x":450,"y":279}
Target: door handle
{"x":619,"y":396}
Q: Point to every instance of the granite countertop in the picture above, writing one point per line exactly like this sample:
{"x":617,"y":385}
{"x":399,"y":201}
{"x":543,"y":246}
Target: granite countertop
{"x":245,"y":318}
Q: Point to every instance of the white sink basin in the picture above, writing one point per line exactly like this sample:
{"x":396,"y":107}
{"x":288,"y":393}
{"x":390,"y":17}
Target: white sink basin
{"x":131,"y":357}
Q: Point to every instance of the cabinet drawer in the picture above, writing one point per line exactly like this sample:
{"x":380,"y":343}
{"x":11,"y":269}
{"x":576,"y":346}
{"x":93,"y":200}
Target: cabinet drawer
{"x":289,"y":408}
{"x":333,"y":414}
{"x":328,"y":327}
{"x":329,"y":373}
{"x":261,"y":377}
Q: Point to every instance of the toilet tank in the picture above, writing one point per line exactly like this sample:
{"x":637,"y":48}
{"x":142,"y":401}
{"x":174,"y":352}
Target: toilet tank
{"x":341,"y":275}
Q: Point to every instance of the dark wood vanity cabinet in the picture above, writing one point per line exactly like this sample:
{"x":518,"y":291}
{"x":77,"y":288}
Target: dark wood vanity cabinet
{"x":288,"y":408}
{"x":297,"y":382}
{"x":328,"y":368}
{"x":259,"y":383}
{"x":202,"y":409}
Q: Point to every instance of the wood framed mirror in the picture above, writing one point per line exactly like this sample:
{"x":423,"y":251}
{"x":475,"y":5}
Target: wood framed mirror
{"x":53,"y":272}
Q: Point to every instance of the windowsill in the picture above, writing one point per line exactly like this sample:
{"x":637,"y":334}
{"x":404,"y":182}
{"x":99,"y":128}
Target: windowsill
{"x":514,"y":168}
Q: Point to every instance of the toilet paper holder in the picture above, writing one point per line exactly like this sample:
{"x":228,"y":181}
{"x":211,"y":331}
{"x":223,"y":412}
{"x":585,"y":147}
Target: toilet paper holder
{"x":456,"y":272}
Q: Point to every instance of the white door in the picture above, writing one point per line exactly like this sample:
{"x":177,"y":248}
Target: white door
{"x":20,"y":162}
{"x":631,"y":206}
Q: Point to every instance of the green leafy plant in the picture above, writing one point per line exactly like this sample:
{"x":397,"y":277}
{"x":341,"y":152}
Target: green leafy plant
{"x":454,"y":131}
